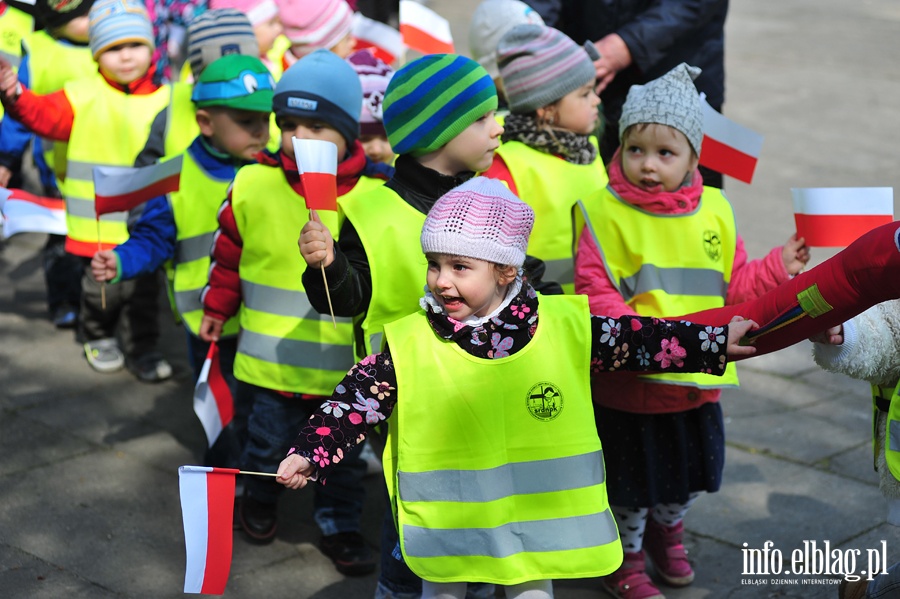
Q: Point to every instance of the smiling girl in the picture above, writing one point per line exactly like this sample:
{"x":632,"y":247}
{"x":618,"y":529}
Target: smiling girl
{"x":492,"y":460}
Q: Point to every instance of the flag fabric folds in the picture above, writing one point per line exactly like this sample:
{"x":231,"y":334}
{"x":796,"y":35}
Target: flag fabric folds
{"x":317,"y":163}
{"x":837,"y":216}
{"x":119,"y":189}
{"x":27,"y":213}
{"x":424,"y":30}
{"x":207,"y":511}
{"x":213,"y":402}
{"x":385,"y":41}
{"x":728,"y":148}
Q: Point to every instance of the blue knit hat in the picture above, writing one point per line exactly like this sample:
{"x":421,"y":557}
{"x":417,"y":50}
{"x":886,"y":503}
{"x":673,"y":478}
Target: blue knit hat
{"x":323,"y":86}
{"x":433,"y":99}
{"x":114,"y":22}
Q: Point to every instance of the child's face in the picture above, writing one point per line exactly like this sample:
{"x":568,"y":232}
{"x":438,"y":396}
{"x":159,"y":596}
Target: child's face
{"x":345,"y":47}
{"x":577,"y":110}
{"x":473,"y":149}
{"x":266,"y":34}
{"x":657,"y":157}
{"x":238,"y":133}
{"x":303,"y":128}
{"x":125,"y":63}
{"x":465,"y":286}
{"x":75,"y":30}
{"x":377,"y":148}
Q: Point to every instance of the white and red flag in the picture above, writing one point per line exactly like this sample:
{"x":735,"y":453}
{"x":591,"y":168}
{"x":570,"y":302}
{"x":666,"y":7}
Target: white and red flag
{"x":837,"y":216}
{"x":119,"y":188}
{"x":728,"y":148}
{"x":213,"y":402}
{"x":207,"y":510}
{"x":317,"y":162}
{"x":27,"y":213}
{"x":385,"y":41}
{"x":424,"y":30}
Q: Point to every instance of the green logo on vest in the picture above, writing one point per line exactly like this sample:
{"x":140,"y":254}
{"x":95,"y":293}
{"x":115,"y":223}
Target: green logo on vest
{"x":544,"y":401}
{"x":712,"y":244}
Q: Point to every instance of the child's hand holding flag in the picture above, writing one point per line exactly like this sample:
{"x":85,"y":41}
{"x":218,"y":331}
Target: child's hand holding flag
{"x":104,"y":266}
{"x":9,"y":82}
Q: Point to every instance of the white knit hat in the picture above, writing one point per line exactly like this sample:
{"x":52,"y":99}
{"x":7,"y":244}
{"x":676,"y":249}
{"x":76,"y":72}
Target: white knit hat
{"x":670,"y":100}
{"x":490,"y":21}
{"x":479,"y":219}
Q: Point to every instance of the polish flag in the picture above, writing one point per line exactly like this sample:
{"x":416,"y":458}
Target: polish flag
{"x":424,"y":30}
{"x":207,"y":511}
{"x":119,"y":188}
{"x":213,"y":402}
{"x":27,"y":213}
{"x":837,"y":216}
{"x":728,"y":148}
{"x":385,"y":41}
{"x":317,"y":163}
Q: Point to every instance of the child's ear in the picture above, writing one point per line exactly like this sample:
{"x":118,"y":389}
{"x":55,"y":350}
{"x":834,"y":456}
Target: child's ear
{"x":204,"y":120}
{"x":507,"y":274}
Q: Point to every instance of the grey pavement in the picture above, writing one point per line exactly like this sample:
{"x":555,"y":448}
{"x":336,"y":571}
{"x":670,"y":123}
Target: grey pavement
{"x":88,"y":475}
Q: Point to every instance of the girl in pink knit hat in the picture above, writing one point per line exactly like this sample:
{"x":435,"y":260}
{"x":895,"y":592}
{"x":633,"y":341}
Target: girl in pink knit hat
{"x":492,"y":460}
{"x":314,"y":24}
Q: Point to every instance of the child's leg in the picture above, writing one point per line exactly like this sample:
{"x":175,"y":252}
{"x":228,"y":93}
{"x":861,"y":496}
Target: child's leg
{"x":535,"y":589}
{"x":664,"y":542}
{"x":631,"y":522}
{"x":97,"y":322}
{"x":62,"y":274}
{"x":631,"y":579}
{"x":443,"y":590}
{"x":139,"y":329}
{"x":866,"y":273}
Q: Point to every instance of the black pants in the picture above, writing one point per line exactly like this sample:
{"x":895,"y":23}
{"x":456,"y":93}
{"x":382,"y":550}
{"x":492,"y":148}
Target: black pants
{"x":62,"y":274}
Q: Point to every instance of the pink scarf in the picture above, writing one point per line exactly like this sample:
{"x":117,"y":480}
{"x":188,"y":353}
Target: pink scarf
{"x":684,"y":199}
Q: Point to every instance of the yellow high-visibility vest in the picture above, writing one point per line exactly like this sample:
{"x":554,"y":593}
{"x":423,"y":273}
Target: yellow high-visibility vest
{"x":892,"y":430}
{"x":666,"y":277}
{"x":109,"y":129}
{"x":284,"y":343}
{"x":389,"y":229}
{"x":14,"y":26}
{"x":494,"y":466}
{"x":551,"y":186}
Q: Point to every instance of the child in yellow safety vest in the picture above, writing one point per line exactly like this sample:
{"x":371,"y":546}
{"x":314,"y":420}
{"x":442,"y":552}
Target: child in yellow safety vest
{"x":289,"y":356}
{"x":492,"y":460}
{"x":659,"y":243}
{"x":549,"y":155}
{"x":233,"y":99}
{"x":104,"y":118}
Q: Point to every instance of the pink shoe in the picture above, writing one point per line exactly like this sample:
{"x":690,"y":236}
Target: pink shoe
{"x":630,"y":581}
{"x":667,"y":553}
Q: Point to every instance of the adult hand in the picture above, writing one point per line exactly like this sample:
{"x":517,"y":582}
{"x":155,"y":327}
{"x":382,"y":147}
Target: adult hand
{"x":614,"y":57}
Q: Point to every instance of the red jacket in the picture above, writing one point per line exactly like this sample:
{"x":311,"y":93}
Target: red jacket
{"x":749,"y":280}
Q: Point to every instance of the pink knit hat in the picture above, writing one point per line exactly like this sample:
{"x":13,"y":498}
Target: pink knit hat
{"x":257,"y":11}
{"x":315,"y":23}
{"x":374,"y":75}
{"x":479,"y":219}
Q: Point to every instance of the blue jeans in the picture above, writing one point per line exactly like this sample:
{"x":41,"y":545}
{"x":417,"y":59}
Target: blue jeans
{"x":885,"y":586}
{"x":226,"y":451}
{"x":272,"y":427}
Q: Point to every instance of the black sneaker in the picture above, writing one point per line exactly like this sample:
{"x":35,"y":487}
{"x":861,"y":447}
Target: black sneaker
{"x":258,"y":520}
{"x":65,"y":317}
{"x":349,"y":552}
{"x":150,"y":367}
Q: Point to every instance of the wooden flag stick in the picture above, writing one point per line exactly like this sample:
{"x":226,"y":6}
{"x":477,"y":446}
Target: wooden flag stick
{"x":325,"y":280}
{"x":103,"y":282}
{"x":275,"y":474}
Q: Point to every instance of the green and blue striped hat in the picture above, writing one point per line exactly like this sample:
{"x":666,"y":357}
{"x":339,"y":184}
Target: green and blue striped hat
{"x":433,"y":99}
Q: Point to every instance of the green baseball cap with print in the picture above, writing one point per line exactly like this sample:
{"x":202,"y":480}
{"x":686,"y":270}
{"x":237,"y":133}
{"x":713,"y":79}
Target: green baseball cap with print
{"x":235,"y":81}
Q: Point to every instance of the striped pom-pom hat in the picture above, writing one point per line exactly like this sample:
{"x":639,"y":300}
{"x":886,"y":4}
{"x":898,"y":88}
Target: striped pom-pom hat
{"x":433,"y":99}
{"x":114,"y":22}
{"x":539,"y":65}
{"x":479,"y":219}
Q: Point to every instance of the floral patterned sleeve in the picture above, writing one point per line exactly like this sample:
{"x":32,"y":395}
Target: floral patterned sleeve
{"x":643,"y":343}
{"x":364,"y":398}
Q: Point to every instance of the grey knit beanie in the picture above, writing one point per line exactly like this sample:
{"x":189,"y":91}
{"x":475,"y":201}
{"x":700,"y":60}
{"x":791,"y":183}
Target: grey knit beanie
{"x":539,"y":65}
{"x":669,"y":100}
{"x":479,"y":219}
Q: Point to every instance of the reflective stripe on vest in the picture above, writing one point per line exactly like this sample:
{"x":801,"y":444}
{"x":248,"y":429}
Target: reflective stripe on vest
{"x":551,"y":186}
{"x":181,"y":119}
{"x":195,"y":208}
{"x":123,"y":122}
{"x":390,"y":230}
{"x":284,"y":344}
{"x":892,"y":426}
{"x":666,"y":264}
{"x":484,"y":515}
